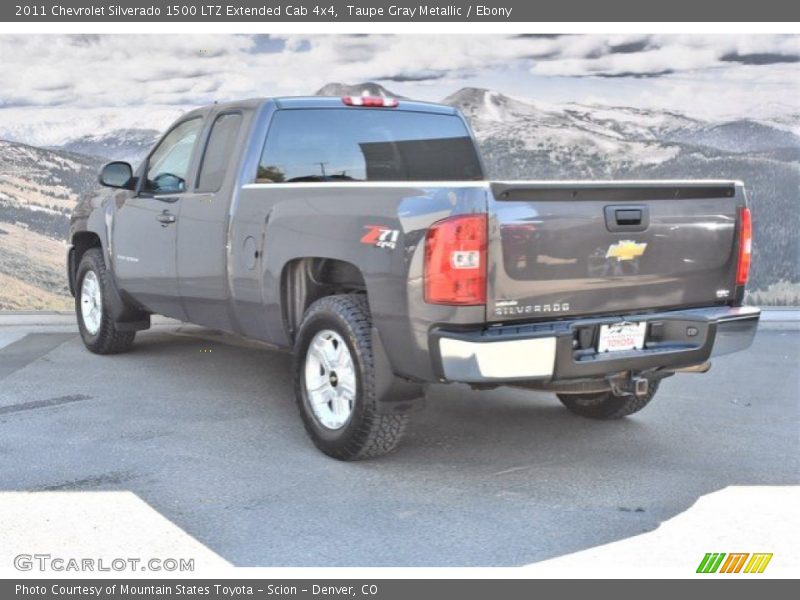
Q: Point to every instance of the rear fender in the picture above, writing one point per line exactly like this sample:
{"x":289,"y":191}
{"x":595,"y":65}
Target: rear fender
{"x":380,"y":230}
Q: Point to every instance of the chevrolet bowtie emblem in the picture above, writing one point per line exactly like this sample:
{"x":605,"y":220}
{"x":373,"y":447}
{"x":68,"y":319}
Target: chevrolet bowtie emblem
{"x":626,"y":250}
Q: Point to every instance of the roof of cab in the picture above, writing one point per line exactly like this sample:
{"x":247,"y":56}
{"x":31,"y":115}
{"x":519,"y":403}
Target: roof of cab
{"x":336,"y":102}
{"x":295,"y":102}
{"x":250,"y":103}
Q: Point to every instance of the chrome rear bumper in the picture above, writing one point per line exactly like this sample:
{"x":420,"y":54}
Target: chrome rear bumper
{"x":552,"y":351}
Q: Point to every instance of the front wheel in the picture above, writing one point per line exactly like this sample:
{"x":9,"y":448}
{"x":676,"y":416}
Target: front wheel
{"x":335,"y":383}
{"x":607,"y":406}
{"x":92,"y":307}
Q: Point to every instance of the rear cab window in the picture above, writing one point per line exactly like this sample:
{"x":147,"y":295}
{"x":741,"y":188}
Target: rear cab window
{"x":347,"y":144}
{"x":218,"y":152}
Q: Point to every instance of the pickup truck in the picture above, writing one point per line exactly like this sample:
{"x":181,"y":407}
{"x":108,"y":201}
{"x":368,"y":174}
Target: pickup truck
{"x":360,"y":233}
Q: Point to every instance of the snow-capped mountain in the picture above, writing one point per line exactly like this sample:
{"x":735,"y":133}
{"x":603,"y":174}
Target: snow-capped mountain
{"x":130,"y":145}
{"x":738,"y":136}
{"x":487,"y":106}
{"x":109,"y":133}
{"x":368,"y":88}
{"x":547,"y":140}
{"x":576,"y":140}
{"x":484,"y":107}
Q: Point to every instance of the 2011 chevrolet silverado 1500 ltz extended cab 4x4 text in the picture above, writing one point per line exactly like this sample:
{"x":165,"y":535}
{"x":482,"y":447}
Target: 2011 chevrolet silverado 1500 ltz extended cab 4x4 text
{"x":360,"y":233}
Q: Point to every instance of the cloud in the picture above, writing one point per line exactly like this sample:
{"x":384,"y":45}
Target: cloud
{"x":88,"y":71}
{"x":413,"y":77}
{"x":638,"y":74}
{"x":662,"y":55}
{"x":760,"y":58}
{"x":109,"y":74}
{"x":118,"y":70}
{"x":539,"y":35}
{"x":630,"y":47}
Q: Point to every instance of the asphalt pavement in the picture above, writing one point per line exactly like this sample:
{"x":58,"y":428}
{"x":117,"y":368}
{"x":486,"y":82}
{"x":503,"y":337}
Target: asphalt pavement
{"x":199,"y":431}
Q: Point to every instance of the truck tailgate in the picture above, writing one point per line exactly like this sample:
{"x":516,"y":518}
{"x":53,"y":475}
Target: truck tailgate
{"x":567,"y":249}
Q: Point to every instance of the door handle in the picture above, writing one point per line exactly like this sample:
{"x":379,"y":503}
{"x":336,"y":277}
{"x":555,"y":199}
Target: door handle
{"x":165,"y":218}
{"x":627,"y":218}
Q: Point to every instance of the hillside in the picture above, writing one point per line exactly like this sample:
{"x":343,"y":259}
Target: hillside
{"x":31,"y":270}
{"x":38,"y":189}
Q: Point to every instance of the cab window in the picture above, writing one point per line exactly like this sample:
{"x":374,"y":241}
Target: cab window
{"x":218,"y":152}
{"x":168,"y":166}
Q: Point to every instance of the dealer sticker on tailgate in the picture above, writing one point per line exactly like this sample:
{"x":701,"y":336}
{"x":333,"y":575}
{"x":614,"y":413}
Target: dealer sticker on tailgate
{"x":621,"y":336}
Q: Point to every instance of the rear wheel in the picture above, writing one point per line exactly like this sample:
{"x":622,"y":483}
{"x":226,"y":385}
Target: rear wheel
{"x":607,"y":406}
{"x":335,"y":383}
{"x":92,"y":307}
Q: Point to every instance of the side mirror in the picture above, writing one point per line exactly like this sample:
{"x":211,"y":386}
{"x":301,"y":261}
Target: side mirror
{"x":117,"y":174}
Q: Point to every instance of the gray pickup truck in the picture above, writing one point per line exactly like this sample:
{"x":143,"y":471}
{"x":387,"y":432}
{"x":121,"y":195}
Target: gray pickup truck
{"x":361,"y":234}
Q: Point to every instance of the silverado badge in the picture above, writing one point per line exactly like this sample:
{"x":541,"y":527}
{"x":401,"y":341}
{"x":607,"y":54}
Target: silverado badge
{"x":626,"y":250}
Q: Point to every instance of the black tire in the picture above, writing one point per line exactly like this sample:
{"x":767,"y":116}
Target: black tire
{"x":367,"y":433}
{"x":107,"y":339}
{"x":605,"y":405}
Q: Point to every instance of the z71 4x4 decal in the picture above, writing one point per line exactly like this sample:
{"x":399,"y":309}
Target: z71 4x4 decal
{"x":380,"y":236}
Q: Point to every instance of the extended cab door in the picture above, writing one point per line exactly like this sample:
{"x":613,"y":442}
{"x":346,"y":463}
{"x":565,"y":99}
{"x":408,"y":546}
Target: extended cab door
{"x":144,"y":228}
{"x":203,"y":226}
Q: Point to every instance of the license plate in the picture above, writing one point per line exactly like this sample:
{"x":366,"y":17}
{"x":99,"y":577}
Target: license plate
{"x":621,"y":336}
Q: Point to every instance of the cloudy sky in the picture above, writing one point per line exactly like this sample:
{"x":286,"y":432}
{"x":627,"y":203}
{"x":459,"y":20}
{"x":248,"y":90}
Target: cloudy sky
{"x":53,"y":87}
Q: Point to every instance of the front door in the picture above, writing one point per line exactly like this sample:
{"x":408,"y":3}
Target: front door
{"x":144,"y":236}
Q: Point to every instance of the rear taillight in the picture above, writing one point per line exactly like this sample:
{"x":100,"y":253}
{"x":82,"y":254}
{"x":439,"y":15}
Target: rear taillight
{"x":455,"y":261}
{"x":370,"y":101}
{"x":745,"y":245}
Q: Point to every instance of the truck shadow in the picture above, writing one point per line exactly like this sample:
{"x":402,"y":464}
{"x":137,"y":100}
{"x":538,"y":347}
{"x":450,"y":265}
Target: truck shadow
{"x":207,"y":434}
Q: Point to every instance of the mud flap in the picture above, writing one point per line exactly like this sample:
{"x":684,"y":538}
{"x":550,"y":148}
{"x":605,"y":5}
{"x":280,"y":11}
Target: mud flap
{"x":395,"y":395}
